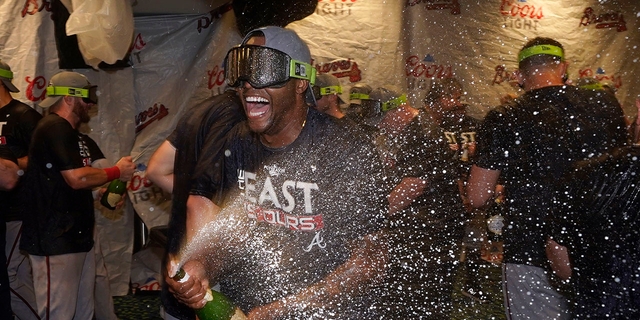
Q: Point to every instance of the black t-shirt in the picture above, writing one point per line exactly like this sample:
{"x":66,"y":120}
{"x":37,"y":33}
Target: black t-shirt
{"x":57,"y":219}
{"x":6,"y":154}
{"x":299,"y":208}
{"x":422,"y":152}
{"x":17,"y":122}
{"x":460,"y":131}
{"x":534,"y":142}
{"x":200,"y":132}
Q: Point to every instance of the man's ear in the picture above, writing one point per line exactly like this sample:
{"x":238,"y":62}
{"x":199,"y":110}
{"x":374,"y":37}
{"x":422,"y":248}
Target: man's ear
{"x":564,"y":69}
{"x":519,"y":78}
{"x":68,"y":100}
{"x":301,"y":86}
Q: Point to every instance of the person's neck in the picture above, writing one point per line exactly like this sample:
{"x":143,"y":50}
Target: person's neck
{"x":335,"y":112}
{"x":5,"y":98}
{"x":288,"y":134}
{"x":69,"y":116}
{"x":542,"y":81}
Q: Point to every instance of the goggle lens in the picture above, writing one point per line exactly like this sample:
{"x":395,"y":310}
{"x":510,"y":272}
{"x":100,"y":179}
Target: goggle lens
{"x":263,"y":67}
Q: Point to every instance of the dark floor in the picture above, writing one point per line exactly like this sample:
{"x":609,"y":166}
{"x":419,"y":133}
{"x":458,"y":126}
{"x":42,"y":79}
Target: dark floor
{"x":144,"y":306}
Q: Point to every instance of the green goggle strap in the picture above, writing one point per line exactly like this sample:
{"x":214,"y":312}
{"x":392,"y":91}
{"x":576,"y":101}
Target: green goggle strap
{"x":67,"y":91}
{"x":541,"y":49}
{"x":392,"y":104}
{"x":593,"y":86}
{"x":6,"y":74}
{"x":358,"y":96}
{"x":330,"y":90}
{"x":301,"y":70}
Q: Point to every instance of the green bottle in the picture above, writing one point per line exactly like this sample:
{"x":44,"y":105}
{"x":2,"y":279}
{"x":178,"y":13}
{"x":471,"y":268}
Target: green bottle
{"x":218,"y":307}
{"x":114,"y":193}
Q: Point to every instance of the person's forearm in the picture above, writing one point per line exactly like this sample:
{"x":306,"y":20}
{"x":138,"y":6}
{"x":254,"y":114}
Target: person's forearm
{"x":8,"y":174}
{"x":85,"y":177}
{"x":200,"y":211}
{"x":481,"y":185}
{"x":405,"y":193}
{"x":22,"y":162}
{"x":160,"y":167}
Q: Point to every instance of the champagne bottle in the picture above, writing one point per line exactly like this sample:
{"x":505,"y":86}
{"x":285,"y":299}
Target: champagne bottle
{"x":495,"y":220}
{"x":493,"y":248}
{"x":114,"y":193}
{"x":218,"y":307}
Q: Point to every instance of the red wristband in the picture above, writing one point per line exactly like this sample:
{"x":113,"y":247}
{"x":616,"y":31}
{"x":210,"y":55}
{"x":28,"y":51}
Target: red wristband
{"x":112,"y":173}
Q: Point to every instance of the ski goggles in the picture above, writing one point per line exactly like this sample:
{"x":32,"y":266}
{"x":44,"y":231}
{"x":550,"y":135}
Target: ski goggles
{"x":264,"y":67}
{"x":88,"y":94}
{"x":541,"y":49}
{"x":325,"y":91}
{"x":372,"y":108}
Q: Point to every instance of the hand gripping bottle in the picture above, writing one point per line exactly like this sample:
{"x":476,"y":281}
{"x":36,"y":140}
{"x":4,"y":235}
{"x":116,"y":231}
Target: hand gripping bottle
{"x":114,"y":193}
{"x":218,"y":307}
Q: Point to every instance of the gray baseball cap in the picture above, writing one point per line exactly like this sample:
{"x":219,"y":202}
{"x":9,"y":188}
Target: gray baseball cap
{"x":289,"y":42}
{"x":328,"y":80}
{"x":6,"y":75}
{"x":65,"y":79}
{"x":383,"y":94}
{"x":358,"y":92}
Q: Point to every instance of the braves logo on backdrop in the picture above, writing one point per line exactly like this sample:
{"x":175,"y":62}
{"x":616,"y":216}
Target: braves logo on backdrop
{"x":335,"y":7}
{"x":520,"y":14}
{"x":32,"y":7}
{"x":136,"y":47}
{"x":605,"y":20}
{"x":341,"y":69}
{"x":146,"y":117}
{"x":36,"y":88}
{"x":502,"y":75}
{"x":601,"y":75}
{"x":452,"y":5}
{"x":418,"y":71}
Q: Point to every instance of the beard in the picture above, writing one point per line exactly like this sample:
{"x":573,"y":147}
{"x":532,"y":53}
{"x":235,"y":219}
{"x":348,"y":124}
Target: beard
{"x":81,"y":110}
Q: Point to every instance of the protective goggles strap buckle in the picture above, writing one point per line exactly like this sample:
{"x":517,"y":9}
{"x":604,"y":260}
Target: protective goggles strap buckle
{"x":302,"y":70}
{"x":330,"y":90}
{"x":358,"y":96}
{"x":392,"y":104}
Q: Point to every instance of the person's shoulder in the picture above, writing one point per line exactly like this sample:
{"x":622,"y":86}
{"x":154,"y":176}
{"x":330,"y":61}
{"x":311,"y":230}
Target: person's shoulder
{"x":583,"y":95}
{"x":19,"y":107}
{"x":53,"y":122}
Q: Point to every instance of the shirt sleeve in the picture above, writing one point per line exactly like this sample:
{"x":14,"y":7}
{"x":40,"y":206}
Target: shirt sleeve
{"x":491,"y":149}
{"x":5,"y":153}
{"x":27,"y":123}
{"x":64,"y":144}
